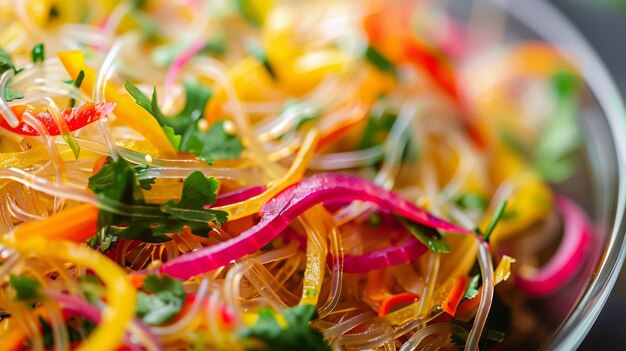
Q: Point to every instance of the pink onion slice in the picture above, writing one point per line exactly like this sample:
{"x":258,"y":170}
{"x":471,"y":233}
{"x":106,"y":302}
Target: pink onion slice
{"x":289,"y":204}
{"x":394,"y":255}
{"x":238,"y":195}
{"x":563,"y":266}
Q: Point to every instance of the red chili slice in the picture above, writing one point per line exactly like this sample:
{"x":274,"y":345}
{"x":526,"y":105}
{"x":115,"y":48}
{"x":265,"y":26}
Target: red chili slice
{"x":76,"y":117}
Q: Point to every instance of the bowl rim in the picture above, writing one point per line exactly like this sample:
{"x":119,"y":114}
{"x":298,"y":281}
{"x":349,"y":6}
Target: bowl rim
{"x":549,"y":23}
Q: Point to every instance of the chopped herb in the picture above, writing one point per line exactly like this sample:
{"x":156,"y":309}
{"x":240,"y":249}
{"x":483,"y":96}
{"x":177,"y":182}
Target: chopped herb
{"x":144,"y":183}
{"x":37,"y":54}
{"x":267,"y":334}
{"x":164,"y":301}
{"x":499,"y":315}
{"x":10,"y":94}
{"x":472,"y":201}
{"x":146,"y":24}
{"x":152,"y":107}
{"x":77,"y":329}
{"x":472,"y":288}
{"x":428,"y":236}
{"x":26,"y":289}
{"x":183,"y":129}
{"x":377,"y":128}
{"x":560,"y":137}
{"x":495,"y":219}
{"x":198,"y":191}
{"x":71,"y":142}
{"x":256,"y":50}
{"x":373,"y":56}
{"x":77,"y":83}
{"x":6,"y":63}
{"x":117,"y":181}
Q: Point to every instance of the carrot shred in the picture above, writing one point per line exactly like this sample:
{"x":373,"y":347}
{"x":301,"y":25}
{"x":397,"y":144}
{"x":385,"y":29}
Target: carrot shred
{"x":76,"y":224}
{"x":451,"y":302}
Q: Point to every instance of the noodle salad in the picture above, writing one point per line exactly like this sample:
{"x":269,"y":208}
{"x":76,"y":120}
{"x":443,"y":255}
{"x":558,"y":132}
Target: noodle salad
{"x":273,"y":175}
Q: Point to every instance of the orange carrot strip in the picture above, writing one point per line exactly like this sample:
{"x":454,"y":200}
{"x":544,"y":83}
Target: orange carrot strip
{"x":451,"y":302}
{"x":75,"y":224}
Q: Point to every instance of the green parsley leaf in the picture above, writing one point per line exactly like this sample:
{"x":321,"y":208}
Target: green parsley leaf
{"x":377,"y":128}
{"x":472,"y":201}
{"x":117,"y":181}
{"x":472,"y":288}
{"x":152,"y":107}
{"x":215,"y":143}
{"x":164,"y":301}
{"x":197,"y":192}
{"x":428,"y":236}
{"x":10,"y":94}
{"x":267,"y":334}
{"x":26,"y":289}
{"x":373,"y":56}
{"x":6,"y":63}
{"x":37,"y":54}
{"x":158,"y":283}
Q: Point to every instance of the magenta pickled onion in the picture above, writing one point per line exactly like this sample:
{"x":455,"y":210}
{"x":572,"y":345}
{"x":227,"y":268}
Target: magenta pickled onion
{"x":567,"y":260}
{"x":289,"y":204}
{"x":394,"y":255}
{"x":238,"y":195}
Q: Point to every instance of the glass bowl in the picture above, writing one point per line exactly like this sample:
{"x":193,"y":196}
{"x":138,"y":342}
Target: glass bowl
{"x":599,"y":186}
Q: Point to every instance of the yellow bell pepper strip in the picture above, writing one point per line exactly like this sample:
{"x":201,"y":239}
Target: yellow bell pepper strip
{"x":75,"y":224}
{"x":293,"y":175}
{"x":318,"y":224}
{"x":530,"y":201}
{"x":126,"y":110}
{"x":120,"y":294}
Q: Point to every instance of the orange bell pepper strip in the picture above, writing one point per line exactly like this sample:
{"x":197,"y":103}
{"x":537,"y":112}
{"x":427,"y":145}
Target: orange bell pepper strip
{"x":451,"y":302}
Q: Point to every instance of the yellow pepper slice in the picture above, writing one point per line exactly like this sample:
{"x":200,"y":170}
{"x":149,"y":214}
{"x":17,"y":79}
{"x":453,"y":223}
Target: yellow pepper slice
{"x":120,"y":294}
{"x":126,"y":110}
{"x":318,"y":224}
{"x":294,"y":174}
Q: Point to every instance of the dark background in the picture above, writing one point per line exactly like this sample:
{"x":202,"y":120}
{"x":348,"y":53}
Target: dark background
{"x":603,"y":23}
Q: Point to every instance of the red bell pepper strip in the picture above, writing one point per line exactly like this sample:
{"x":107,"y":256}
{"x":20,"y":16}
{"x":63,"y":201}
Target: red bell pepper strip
{"x":76,"y":117}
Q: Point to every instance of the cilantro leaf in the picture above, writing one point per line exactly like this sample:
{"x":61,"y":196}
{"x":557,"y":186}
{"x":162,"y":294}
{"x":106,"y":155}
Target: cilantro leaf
{"x":197,"y":192}
{"x":297,"y":335}
{"x":164,"y":302}
{"x":472,"y":288}
{"x":377,"y":128}
{"x":26,"y":289}
{"x":182,"y":130}
{"x":215,"y":143}
{"x":117,"y":181}
{"x":158,"y":283}
{"x":6,"y":63}
{"x":428,"y":236}
{"x":152,"y":107}
{"x":373,"y":56}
